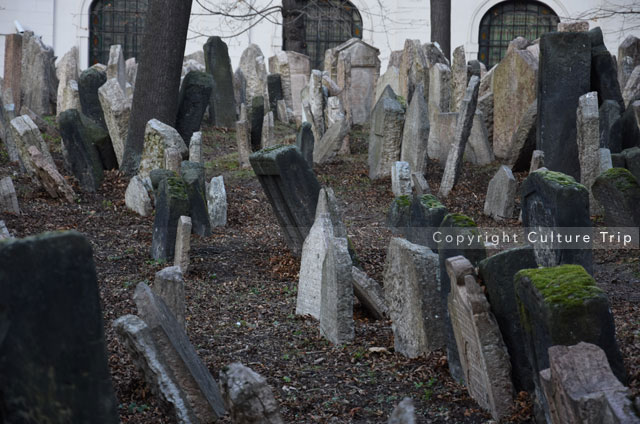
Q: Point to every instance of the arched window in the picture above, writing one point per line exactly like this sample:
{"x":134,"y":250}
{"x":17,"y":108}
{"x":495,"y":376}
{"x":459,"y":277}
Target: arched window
{"x":115,"y":22}
{"x":508,"y":20}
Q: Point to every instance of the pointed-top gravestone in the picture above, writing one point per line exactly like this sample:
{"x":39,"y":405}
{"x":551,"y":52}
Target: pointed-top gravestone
{"x":38,"y":81}
{"x":222,"y":106}
{"x":501,"y":194}
{"x":116,"y":67}
{"x":416,"y":132}
{"x":66,"y":71}
{"x":385,"y":137}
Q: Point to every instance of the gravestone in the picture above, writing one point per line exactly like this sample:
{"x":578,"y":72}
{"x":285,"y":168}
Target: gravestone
{"x":420,"y":184}
{"x":553,"y":203}
{"x":415,"y":134}
{"x":497,"y":273}
{"x":222,"y":105}
{"x":254,"y":71}
{"x":132,"y":71}
{"x":49,"y":177}
{"x":385,"y":136}
{"x":274,"y":88}
{"x":69,"y":97}
{"x":217,"y":202}
{"x":413,"y":69}
{"x":401,"y":179}
{"x":172,"y":159}
{"x":630,"y":48}
{"x":195,"y":148}
{"x":7,"y":114}
{"x":137,"y":198}
{"x":523,"y":140}
{"x":53,"y":361}
{"x":427,"y":213}
{"x":485,"y":108}
{"x":588,"y":139}
{"x":195,"y":94}
{"x":168,"y":284}
{"x":116,"y":108}
{"x":256,"y":119}
{"x":331,"y":143}
{"x":577,"y":26}
{"x":411,"y":285}
{"x":158,"y":137}
{"x":66,"y":71}
{"x":564,"y":75}
{"x":483,"y":355}
{"x":604,"y":78}
{"x":501,"y":195}
{"x":537,"y":161}
{"x":624,"y":133}
{"x":292,"y":189}
{"x":313,"y":104}
{"x":268,"y":137}
{"x":605,"y":160}
{"x":38,"y":82}
{"x":12,"y":68}
{"x":25,"y":133}
{"x":618,"y":191}
{"x":306,"y":142}
{"x":282,"y":113}
{"x":172,"y":202}
{"x":294,"y":69}
{"x":369,"y":293}
{"x":609,"y":112}
{"x":391,"y":77}
{"x":631,"y":159}
{"x":243,"y":142}
{"x":439,"y":90}
{"x":89,"y":83}
{"x":192,"y":174}
{"x":8,"y":196}
{"x":116,"y":67}
{"x":183,"y":244}
{"x":459,"y":80}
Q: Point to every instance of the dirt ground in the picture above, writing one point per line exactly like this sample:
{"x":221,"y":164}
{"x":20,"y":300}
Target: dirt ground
{"x":241,"y":292}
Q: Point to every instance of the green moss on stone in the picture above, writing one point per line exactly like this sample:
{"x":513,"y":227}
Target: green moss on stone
{"x":622,"y":178}
{"x":403,"y":201}
{"x":430,"y":201}
{"x":565,"y":285}
{"x":458,"y":220}
{"x":272,"y":148}
{"x":561,"y":179}
{"x":402,"y":101}
{"x":176,"y":188}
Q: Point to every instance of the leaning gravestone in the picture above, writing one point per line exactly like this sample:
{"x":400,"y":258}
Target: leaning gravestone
{"x":501,"y":195}
{"x":588,"y":140}
{"x":195,"y":94}
{"x":38,"y":81}
{"x":415,"y":134}
{"x":193,"y":176}
{"x":8,"y":197}
{"x":158,"y":137}
{"x":253,"y":68}
{"x":609,"y":112}
{"x":49,"y":177}
{"x":66,"y":71}
{"x":169,"y":285}
{"x":222,"y":105}
{"x":552,"y":204}
{"x":25,"y":133}
{"x":136,"y":197}
{"x":618,"y":191}
{"x":401,"y":179}
{"x":563,"y":76}
{"x":385,"y":137}
{"x":116,"y":107}
{"x":624,"y":133}
{"x":292,"y":189}
{"x":497,"y":274}
{"x":89,"y":83}
{"x":116,"y":67}
{"x":331,"y":143}
{"x":243,"y":142}
{"x":523,"y":140}
{"x":53,"y":362}
{"x":172,"y":202}
{"x":483,"y":355}
{"x":369,"y":293}
{"x":459,"y":77}
{"x":411,"y":285}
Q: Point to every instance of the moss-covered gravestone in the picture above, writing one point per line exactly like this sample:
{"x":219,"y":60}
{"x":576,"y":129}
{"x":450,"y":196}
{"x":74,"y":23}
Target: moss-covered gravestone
{"x":399,"y":215}
{"x":497,"y":273}
{"x":53,"y":362}
{"x":195,"y":94}
{"x":563,"y":306}
{"x":172,"y":202}
{"x":292,"y":189}
{"x":555,"y":213}
{"x":471,"y":247}
{"x":618,"y":191}
{"x":193,"y":176}
{"x":417,"y":218}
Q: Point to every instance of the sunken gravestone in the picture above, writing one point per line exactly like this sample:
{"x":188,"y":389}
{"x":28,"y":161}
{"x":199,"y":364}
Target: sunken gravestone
{"x":222,"y":105}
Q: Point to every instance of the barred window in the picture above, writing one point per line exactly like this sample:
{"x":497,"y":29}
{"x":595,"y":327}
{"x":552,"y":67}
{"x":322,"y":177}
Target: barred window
{"x":115,"y":22}
{"x":511,"y":19}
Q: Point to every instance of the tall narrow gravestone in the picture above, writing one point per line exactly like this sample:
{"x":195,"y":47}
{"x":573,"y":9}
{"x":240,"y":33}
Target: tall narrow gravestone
{"x":292,"y":189}
{"x":222,"y":107}
{"x":53,"y":361}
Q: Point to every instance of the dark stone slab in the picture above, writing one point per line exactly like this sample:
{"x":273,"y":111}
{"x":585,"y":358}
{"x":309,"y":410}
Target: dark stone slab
{"x":631,"y":161}
{"x":618,"y":160}
{"x":53,"y":360}
{"x":274,"y":87}
{"x":222,"y":105}
{"x":564,"y":75}
{"x":417,"y":218}
{"x":172,"y":202}
{"x":618,"y":191}
{"x":193,"y":176}
{"x":99,"y":137}
{"x":609,"y":112}
{"x":474,"y":68}
{"x":157,"y":175}
{"x":624,"y":132}
{"x":552,"y":201}
{"x":82,"y":154}
{"x":604,"y":72}
{"x":256,"y":117}
{"x":89,"y":81}
{"x":305,"y":142}
{"x":497,"y":273}
{"x":195,"y":94}
{"x":399,"y":215}
{"x":292,"y":189}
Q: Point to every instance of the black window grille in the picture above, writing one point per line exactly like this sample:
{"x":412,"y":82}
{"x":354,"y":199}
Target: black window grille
{"x":511,"y":19}
{"x":115,"y":22}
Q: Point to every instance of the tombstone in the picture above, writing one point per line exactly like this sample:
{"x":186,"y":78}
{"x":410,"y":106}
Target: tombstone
{"x":404,"y":413}
{"x":369,"y":293}
{"x":334,"y":112}
{"x":8,"y":196}
{"x":546,"y":298}
{"x":195,"y":94}
{"x":624,"y":132}
{"x":618,"y":191}
{"x":195,"y":148}
{"x":116,"y":108}
{"x":193,"y":176}
{"x":537,"y":161}
{"x":459,"y":80}
{"x":442,"y":133}
{"x":609,"y":112}
{"x":415,"y":135}
{"x":254,"y":70}
{"x":38,"y":82}
{"x":313,"y":104}
{"x":66,"y":71}
{"x":268,"y":137}
{"x":53,"y":361}
{"x":282,"y":112}
{"x":49,"y":177}
{"x":247,"y":396}
{"x":25,"y":133}
{"x":588,"y":139}
{"x":7,"y":114}
{"x":243,"y":142}
{"x":563,"y":76}
{"x":331,"y":142}
{"x":172,"y":159}
{"x":89,"y":82}
{"x":172,"y":202}
{"x":410,"y":285}
{"x":168,"y":284}
{"x":439,"y":90}
{"x":501,"y":193}
{"x":630,"y":48}
{"x":13,"y":67}
{"x":155,"y":177}
{"x":385,"y":137}
{"x":217,"y":202}
{"x":631,"y":91}
{"x":580,"y":387}
{"x":523,"y":140}
{"x":514,"y":89}
{"x":604,"y":160}
{"x":553,"y":202}
{"x":158,"y":137}
{"x":391,"y":78}
{"x":201,"y":390}
{"x":483,"y":354}
{"x":294,"y":69}
{"x":69,"y":97}
{"x":256,"y":119}
{"x":274,"y":88}
{"x":463,"y":130}
{"x":137,"y":198}
{"x":401,"y":179}
{"x":183,"y":246}
{"x":604,"y":78}
{"x":497,"y":273}
{"x":116,"y":67}
{"x":631,"y":159}
{"x":132,"y":71}
{"x":426,"y":215}
{"x":420,"y":184}
{"x":485,"y":108}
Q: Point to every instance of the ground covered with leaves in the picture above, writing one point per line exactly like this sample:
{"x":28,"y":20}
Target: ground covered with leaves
{"x":241,"y":292}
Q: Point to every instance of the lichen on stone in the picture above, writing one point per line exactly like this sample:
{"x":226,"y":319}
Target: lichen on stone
{"x":403,"y":201}
{"x":176,"y":188}
{"x":430,"y":201}
{"x":622,"y":178}
{"x":564,"y":285}
{"x":458,"y":220}
{"x":562,"y":179}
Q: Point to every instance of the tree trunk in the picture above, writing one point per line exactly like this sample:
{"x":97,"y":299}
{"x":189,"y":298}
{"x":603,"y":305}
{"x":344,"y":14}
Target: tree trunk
{"x":293,"y":26}
{"x":441,"y":25}
{"x":158,"y":79}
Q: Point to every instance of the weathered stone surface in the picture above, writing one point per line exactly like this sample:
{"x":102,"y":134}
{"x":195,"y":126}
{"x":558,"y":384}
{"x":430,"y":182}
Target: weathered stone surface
{"x":53,"y":361}
{"x":415,"y":134}
{"x":630,"y":48}
{"x":459,"y":80}
{"x":463,"y":130}
{"x":4,"y":231}
{"x":631,"y":91}
{"x":172,"y":202}
{"x":401,"y":179}
{"x":116,"y":107}
{"x":183,"y":245}
{"x":137,"y":198}
{"x":268,"y":138}
{"x":217,"y":202}
{"x":537,"y":160}
{"x":254,"y":70}
{"x":195,"y":95}
{"x":618,"y":191}
{"x":369,"y":293}
{"x":420,"y":184}
{"x":38,"y":82}
{"x":497,"y":274}
{"x":172,"y":159}
{"x":158,"y":137}
{"x":155,"y":177}
{"x":66,"y":71}
{"x":190,"y":374}
{"x":243,"y":142}
{"x":564,"y":75}
{"x":331,"y":142}
{"x":609,"y":112}
{"x":294,"y":69}
{"x":25,"y":133}
{"x":305,"y":142}
{"x":404,"y":413}
{"x":132,"y":71}
{"x":483,"y":355}
{"x":624,"y":132}
{"x":282,"y":113}
{"x":391,"y":78}
{"x":385,"y":137}
{"x":192,"y":174}
{"x":501,"y":194}
{"x":222,"y":105}
{"x":247,"y":396}
{"x":116,"y":67}
{"x":514,"y":89}
{"x":8,"y":197}
{"x":485,"y":107}
{"x":413,"y":69}
{"x":573,"y":26}
{"x":195,"y":148}
{"x":12,"y":68}
{"x":588,"y":139}
{"x":89,"y":82}
{"x":69,"y":97}
{"x":410,"y":286}
{"x":49,"y":177}
{"x":256,"y":119}
{"x":313,"y":104}
{"x":580,"y":387}
{"x":292,"y":189}
{"x":523,"y":140}
{"x":604,"y":78}
{"x":7,"y":114}
{"x":605,"y":160}
{"x":439,"y":90}
{"x":552,"y":201}
{"x":442,"y":133}
{"x":168,"y":284}
{"x":333,"y":112}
